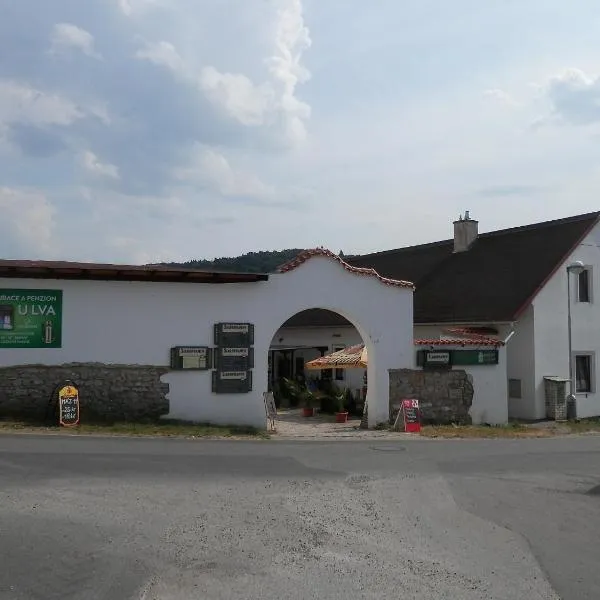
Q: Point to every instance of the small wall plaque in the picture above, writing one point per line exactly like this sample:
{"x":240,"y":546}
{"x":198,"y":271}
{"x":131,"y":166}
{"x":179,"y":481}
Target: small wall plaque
{"x":234,"y":359}
{"x":191,"y":358}
{"x":234,"y":335}
{"x":231,"y":382}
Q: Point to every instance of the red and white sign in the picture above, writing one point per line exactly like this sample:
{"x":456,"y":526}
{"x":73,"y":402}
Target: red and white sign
{"x":411,"y":415}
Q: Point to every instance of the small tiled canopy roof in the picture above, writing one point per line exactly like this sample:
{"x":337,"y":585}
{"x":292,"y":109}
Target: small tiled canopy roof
{"x":356,"y":356}
{"x":347,"y":358}
{"x":472,"y":341}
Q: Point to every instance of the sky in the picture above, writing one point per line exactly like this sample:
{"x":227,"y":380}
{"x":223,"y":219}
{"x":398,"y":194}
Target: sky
{"x":135,"y":131}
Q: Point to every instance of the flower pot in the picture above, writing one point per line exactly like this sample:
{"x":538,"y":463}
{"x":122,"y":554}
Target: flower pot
{"x":341,"y":417}
{"x":308,"y":412}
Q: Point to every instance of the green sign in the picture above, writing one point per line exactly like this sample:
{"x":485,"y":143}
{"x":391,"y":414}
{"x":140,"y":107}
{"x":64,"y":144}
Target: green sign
{"x":30,"y":318}
{"x":474,"y":357}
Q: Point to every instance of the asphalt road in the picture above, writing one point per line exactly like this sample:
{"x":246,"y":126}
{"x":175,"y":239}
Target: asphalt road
{"x":121,"y":519}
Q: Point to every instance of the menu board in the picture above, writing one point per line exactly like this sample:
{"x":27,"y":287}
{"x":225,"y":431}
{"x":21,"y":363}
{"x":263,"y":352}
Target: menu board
{"x":412,"y":416}
{"x":231,"y":382}
{"x":234,"y":335}
{"x":191,"y":358}
{"x":234,"y":359}
{"x":68,"y":406}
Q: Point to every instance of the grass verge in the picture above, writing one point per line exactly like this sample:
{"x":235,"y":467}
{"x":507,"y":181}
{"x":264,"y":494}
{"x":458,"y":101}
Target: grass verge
{"x":158,"y":429}
{"x":512,"y":430}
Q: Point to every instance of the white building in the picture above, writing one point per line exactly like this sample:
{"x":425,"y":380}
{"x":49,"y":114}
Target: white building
{"x":510,"y":285}
{"x":121,"y":333}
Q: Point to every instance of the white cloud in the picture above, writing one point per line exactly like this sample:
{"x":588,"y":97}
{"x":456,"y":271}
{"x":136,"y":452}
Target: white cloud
{"x":163,"y":54}
{"x":575,"y":97}
{"x":260,"y":104}
{"x":210,"y":168}
{"x":68,"y":36}
{"x":500,"y":96}
{"x":131,"y":7}
{"x":27,"y":223}
{"x":238,"y":96}
{"x":292,"y":39}
{"x":23,"y":104}
{"x":132,"y":250}
{"x":91,"y":162}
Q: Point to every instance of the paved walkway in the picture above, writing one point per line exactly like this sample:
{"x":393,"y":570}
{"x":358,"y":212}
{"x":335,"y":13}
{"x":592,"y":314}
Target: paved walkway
{"x":291,"y":424}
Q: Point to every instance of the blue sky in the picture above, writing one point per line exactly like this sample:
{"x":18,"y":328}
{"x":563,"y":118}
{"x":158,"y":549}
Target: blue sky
{"x":147,"y":130}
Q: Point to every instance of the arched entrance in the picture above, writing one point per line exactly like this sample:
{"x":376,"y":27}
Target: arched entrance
{"x":308,"y":335}
{"x":380,"y":309}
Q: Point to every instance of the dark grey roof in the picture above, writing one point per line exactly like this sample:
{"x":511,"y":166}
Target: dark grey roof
{"x":42,"y":269}
{"x":493,"y":281}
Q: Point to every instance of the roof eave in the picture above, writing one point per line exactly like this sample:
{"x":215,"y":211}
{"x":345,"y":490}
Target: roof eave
{"x":532,"y":297}
{"x":97,"y":273}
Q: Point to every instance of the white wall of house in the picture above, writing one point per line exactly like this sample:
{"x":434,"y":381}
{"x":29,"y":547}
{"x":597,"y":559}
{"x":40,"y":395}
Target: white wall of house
{"x":138,"y":322}
{"x":520,"y":354}
{"x":490,"y":404}
{"x":489,"y":381}
{"x":332,"y":338}
{"x":551,"y":329}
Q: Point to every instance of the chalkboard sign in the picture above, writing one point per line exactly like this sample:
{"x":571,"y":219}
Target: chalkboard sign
{"x":68,"y":406}
{"x":234,"y":335}
{"x":234,"y":359}
{"x":231,"y":382}
{"x":412,"y":416}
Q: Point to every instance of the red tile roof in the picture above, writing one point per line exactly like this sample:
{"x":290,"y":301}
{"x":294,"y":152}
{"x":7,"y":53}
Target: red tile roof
{"x":479,"y":340}
{"x":352,"y":356}
{"x":308,"y":254}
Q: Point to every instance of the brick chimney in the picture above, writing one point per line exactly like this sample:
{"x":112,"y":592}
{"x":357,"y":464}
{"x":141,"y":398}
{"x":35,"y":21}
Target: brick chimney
{"x":465,"y":232}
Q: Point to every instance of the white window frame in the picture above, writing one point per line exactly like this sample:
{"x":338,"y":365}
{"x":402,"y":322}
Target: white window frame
{"x":590,"y":276}
{"x":592,"y":357}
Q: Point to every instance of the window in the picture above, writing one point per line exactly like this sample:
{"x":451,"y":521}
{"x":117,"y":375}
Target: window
{"x":340,"y":374}
{"x":584,"y":286}
{"x":514,"y":388}
{"x":6,"y":316}
{"x":584,"y":374}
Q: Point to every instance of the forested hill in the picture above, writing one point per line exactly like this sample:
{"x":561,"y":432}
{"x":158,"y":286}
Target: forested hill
{"x":251,"y":262}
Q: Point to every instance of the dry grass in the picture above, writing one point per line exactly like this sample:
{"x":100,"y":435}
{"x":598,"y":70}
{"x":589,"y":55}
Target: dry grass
{"x":159,"y":429}
{"x":478,"y":431}
{"x":511,"y":431}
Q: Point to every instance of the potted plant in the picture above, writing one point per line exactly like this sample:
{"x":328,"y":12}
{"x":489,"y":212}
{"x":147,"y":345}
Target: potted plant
{"x":341,"y":415}
{"x":308,"y":400}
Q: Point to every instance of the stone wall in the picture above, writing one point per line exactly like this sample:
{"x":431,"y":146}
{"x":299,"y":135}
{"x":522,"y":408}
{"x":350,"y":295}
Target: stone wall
{"x":106,"y":392}
{"x":444,"y":396}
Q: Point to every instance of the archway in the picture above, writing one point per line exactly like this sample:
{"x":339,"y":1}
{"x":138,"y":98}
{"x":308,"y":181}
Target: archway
{"x":380,"y":309}
{"x":310,"y":334}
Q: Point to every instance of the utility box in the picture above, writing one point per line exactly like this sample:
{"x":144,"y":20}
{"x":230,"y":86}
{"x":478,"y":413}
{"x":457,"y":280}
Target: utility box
{"x":555,"y":390}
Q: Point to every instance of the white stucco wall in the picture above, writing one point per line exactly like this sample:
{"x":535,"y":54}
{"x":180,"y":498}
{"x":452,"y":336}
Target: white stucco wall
{"x":551,"y":329}
{"x":490,"y":397}
{"x":138,"y":322}
{"x":520,"y":358}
